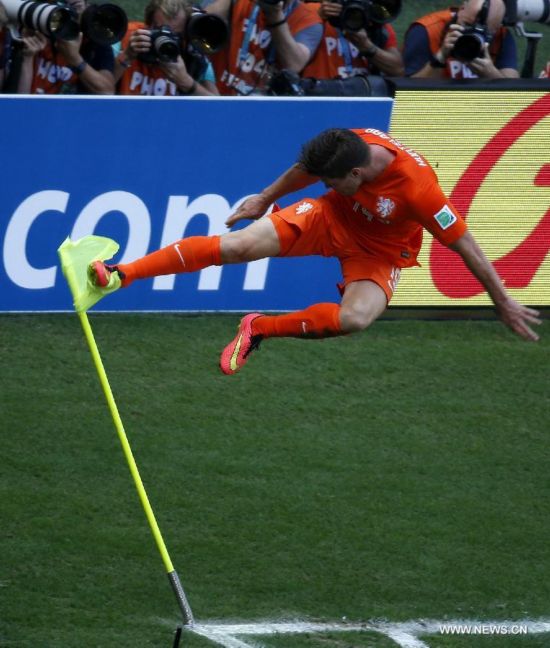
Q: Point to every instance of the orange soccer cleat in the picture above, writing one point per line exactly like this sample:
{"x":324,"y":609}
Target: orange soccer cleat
{"x":103,"y":275}
{"x":235,"y":355}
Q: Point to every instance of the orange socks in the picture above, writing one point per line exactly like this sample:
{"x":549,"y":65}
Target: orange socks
{"x":186,"y":255}
{"x":317,"y":321}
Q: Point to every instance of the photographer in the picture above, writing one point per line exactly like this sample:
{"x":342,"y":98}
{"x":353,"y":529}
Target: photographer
{"x":140,"y":71}
{"x":56,"y":66}
{"x":264,"y":36}
{"x":443,"y":44}
{"x":4,"y":45}
{"x":344,"y":52}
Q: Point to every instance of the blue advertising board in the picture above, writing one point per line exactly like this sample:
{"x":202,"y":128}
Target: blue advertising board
{"x":147,"y":172}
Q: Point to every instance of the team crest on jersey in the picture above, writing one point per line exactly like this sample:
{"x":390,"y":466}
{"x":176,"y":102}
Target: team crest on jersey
{"x":384,"y":207}
{"x":303,"y":207}
{"x":445,"y":217}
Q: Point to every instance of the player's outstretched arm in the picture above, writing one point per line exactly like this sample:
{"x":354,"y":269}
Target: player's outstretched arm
{"x":516,"y":316}
{"x":291,"y":180}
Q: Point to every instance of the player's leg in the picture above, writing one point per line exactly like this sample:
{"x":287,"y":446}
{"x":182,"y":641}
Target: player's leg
{"x":194,"y":253}
{"x":363,"y":303}
{"x":369,"y":286}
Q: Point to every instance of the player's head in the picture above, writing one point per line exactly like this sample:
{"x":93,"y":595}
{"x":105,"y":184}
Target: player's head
{"x":336,"y":156}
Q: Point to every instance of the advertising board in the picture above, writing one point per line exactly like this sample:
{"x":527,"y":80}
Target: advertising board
{"x":147,"y":172}
{"x":491,"y":151}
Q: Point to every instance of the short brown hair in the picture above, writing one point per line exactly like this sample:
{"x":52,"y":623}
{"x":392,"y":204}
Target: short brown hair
{"x":334,"y":153}
{"x":170,"y":8}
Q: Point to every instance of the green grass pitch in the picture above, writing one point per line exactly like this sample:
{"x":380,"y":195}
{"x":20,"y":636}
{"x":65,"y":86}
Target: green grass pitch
{"x":399,"y":474}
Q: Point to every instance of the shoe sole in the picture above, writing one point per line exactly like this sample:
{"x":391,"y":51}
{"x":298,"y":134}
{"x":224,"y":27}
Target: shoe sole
{"x":101,"y":274}
{"x":230,"y":362}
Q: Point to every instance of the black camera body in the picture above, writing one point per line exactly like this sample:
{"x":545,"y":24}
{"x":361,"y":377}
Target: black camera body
{"x":471,"y":42}
{"x":360,"y":14}
{"x":204,"y":34}
{"x":165,"y":46}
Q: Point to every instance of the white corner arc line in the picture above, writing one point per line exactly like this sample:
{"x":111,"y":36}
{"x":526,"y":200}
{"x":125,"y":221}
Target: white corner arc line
{"x":220,"y":638}
{"x":404,"y":634}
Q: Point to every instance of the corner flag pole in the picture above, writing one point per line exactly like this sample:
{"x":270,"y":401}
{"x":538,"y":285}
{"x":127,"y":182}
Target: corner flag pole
{"x":74,"y":262}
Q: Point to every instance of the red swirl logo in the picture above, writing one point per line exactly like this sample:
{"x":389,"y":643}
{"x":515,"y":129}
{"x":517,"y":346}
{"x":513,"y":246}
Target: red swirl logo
{"x":518,"y":267}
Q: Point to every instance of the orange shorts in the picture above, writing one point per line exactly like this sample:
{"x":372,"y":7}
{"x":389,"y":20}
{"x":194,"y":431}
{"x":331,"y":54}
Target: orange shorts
{"x":304,"y":230}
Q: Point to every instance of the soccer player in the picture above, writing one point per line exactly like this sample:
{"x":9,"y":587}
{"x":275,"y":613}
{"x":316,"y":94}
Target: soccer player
{"x":381,"y":196}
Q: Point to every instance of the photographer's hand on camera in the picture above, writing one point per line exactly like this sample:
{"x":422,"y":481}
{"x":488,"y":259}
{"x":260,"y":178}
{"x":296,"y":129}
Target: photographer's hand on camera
{"x":290,"y":54}
{"x":387,"y":61}
{"x":33,"y":42}
{"x":453,"y":34}
{"x":465,"y":43}
{"x":180,"y":77}
{"x":484,"y":67}
{"x":70,"y":50}
{"x":95,"y":81}
{"x":139,"y":42}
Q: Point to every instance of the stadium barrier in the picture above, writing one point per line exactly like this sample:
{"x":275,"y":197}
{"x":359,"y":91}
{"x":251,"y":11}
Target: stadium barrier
{"x":146,"y":172}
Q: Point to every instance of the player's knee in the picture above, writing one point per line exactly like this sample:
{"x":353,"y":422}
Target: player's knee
{"x":237,"y":247}
{"x":353,"y":319}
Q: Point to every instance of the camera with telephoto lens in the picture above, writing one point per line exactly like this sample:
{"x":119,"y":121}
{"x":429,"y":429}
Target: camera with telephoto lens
{"x":471,"y":41}
{"x":359,"y":14}
{"x":165,"y":46}
{"x":206,"y":32}
{"x":527,"y":10}
{"x":103,"y":24}
{"x":52,"y":20}
{"x":287,"y":83}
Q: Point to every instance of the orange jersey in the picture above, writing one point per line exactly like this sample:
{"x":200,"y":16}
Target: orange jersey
{"x":240,"y":66}
{"x":338,"y":58}
{"x":386,"y":216}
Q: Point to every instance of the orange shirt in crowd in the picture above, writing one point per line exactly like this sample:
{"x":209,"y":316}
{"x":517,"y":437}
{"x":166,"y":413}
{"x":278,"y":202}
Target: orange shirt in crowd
{"x":241,"y":65}
{"x":143,"y":78}
{"x":338,"y":58}
{"x":436,"y":26}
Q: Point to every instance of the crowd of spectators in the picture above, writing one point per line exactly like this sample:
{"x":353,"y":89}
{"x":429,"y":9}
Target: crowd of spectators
{"x":310,"y":40}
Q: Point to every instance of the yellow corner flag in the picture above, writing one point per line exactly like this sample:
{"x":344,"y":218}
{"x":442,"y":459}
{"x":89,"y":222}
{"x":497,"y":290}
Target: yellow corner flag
{"x":75,"y":257}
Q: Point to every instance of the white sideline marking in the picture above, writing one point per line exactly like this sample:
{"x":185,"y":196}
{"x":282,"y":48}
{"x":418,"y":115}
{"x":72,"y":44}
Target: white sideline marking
{"x":404,"y":634}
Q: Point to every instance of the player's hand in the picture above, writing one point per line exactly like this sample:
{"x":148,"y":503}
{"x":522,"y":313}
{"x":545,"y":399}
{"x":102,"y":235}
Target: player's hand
{"x":518,"y":317}
{"x":252,"y":208}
